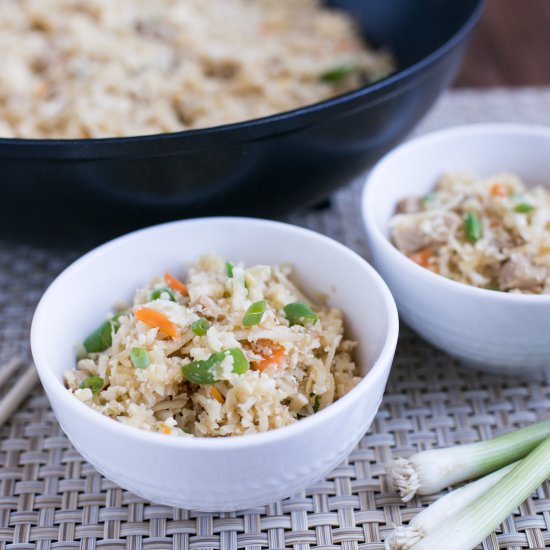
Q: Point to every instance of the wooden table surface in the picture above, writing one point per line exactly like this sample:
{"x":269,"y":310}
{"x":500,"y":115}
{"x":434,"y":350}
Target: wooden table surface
{"x":510,"y":47}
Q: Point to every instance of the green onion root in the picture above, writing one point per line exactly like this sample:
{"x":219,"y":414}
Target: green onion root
{"x":467,"y":528}
{"x":431,"y":471}
{"x":405,"y":537}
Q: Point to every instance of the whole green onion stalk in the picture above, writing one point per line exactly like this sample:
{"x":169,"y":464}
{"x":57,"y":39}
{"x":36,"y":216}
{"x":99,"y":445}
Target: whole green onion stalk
{"x":470,"y":525}
{"x":430,"y":471}
{"x":405,"y":537}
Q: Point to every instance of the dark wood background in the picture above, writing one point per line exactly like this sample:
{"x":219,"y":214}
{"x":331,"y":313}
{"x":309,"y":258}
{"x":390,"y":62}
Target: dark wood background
{"x":510,"y":47}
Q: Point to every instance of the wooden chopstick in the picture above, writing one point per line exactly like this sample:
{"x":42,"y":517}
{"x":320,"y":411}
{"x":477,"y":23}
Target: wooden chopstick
{"x":9,"y":369}
{"x":20,"y":390}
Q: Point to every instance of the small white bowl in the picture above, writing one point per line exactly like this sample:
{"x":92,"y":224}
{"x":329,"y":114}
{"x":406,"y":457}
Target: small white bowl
{"x":215,"y":474}
{"x":496,"y":331}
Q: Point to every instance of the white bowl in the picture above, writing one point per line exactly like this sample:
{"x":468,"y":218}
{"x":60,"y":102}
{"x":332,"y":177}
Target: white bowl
{"x":493,"y":330}
{"x":215,"y":474}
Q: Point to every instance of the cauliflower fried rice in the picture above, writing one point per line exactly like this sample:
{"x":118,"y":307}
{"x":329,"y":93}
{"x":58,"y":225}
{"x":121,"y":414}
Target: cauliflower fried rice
{"x":232,"y":350}
{"x":98,"y":68}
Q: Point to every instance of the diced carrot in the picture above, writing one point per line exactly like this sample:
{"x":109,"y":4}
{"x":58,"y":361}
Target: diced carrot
{"x":272,"y":353}
{"x":165,"y":429}
{"x":156,"y":319}
{"x":217,"y":395}
{"x":498,"y":190}
{"x":422,"y":257}
{"x":176,"y":284}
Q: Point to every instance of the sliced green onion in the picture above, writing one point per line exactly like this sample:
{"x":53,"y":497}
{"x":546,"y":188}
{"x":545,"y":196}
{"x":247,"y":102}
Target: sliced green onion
{"x":472,"y":226}
{"x":95,"y":383}
{"x":316,"y":403}
{"x":428,"y":198}
{"x":524,"y":208}
{"x":204,"y":372}
{"x":229,"y":269}
{"x":298,"y":312}
{"x":199,"y":372}
{"x":469,"y":526}
{"x":338,"y":73}
{"x":430,"y":471}
{"x":443,"y":508}
{"x":157,"y":294}
{"x":200,"y":327}
{"x":493,"y":288}
{"x":240,"y":362}
{"x":102,"y":337}
{"x":254,"y":314}
{"x":140,"y":358}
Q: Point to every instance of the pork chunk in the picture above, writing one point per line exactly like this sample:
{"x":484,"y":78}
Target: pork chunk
{"x":413,"y":232}
{"x":520,"y":273}
{"x":409,"y":205}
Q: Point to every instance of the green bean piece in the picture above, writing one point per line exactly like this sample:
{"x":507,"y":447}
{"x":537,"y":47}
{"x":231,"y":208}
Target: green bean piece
{"x":472,"y":226}
{"x":229,"y":269}
{"x":95,"y":383}
{"x":202,"y":372}
{"x":254,"y":314}
{"x":157,"y":294}
{"x":524,"y":208}
{"x":200,"y":327}
{"x":338,"y":73}
{"x":140,"y":358}
{"x":298,"y":312}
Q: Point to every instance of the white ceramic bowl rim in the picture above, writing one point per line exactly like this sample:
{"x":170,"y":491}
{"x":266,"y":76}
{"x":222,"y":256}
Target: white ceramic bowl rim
{"x":369,"y":203}
{"x":249,"y":440}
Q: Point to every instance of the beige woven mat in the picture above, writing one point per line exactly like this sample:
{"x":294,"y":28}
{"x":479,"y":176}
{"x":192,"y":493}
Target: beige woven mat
{"x":51,"y":498}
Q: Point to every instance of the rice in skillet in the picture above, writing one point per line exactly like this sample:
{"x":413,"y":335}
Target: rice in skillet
{"x":104,"y":68}
{"x":232,"y":351}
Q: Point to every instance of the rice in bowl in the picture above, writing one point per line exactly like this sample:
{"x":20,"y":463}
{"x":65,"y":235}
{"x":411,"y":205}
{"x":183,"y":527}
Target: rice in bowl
{"x":491,"y":232}
{"x":233,"y":350}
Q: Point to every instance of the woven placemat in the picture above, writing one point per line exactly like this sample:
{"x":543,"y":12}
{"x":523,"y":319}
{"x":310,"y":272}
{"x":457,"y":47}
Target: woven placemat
{"x":50,"y":497}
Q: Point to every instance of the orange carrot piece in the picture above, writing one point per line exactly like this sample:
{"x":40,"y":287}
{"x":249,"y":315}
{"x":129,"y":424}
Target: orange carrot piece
{"x":498,"y":190}
{"x":156,"y":319}
{"x":217,"y":395}
{"x":272,"y":353}
{"x":165,"y":429}
{"x":175,"y":284}
{"x":422,"y":257}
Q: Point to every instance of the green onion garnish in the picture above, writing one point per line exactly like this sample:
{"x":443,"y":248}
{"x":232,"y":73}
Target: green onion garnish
{"x":157,"y":294}
{"x":203,"y":372}
{"x":338,"y":73}
{"x":200,"y":327}
{"x":472,"y":226}
{"x":229,"y":269}
{"x":95,"y":383}
{"x":428,"y":198}
{"x":298,"y":312}
{"x":102,"y":337}
{"x":524,"y":208}
{"x":140,"y":358}
{"x":254,"y":314}
{"x":316,"y":403}
{"x":493,"y":288}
